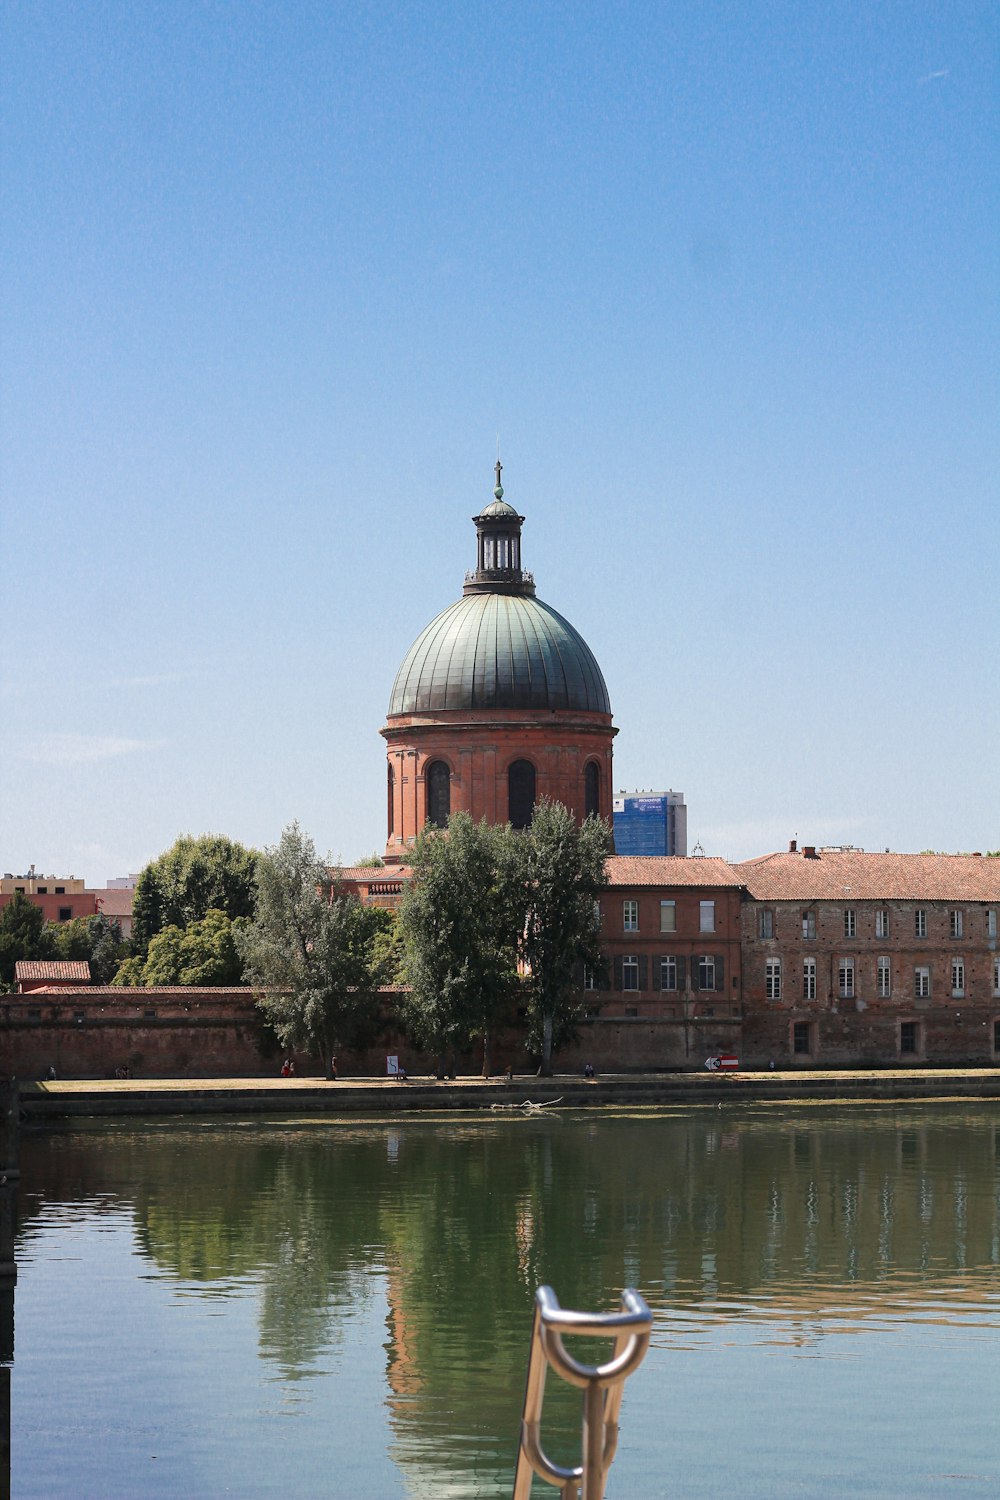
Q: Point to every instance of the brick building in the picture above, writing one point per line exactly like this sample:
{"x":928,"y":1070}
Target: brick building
{"x":672,"y":995}
{"x":870,"y":958}
{"x":498,"y":703}
{"x":61,"y":898}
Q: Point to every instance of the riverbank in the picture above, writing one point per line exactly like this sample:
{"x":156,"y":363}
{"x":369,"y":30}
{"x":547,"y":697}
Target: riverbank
{"x":62,"y":1099}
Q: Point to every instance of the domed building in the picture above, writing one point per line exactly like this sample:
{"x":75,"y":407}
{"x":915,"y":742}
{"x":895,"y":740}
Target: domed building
{"x":499,"y":702}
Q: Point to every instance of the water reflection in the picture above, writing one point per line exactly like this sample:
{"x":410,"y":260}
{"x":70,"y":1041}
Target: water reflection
{"x":760,"y":1226}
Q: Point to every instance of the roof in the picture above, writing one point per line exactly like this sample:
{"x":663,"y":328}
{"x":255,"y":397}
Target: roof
{"x":670,"y":869}
{"x":371,"y":874}
{"x":833,"y":875}
{"x":44,"y":968}
{"x":146,"y":992}
{"x":114,"y":902}
{"x":499,"y":650}
{"x":499,"y":507}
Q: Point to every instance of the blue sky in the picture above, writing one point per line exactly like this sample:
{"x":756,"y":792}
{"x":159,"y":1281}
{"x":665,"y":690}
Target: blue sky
{"x":722,"y":276}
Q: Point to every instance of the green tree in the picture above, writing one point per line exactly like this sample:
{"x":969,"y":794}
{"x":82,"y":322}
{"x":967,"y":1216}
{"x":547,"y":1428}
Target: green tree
{"x":107,"y":948}
{"x":311,"y":952}
{"x":203,"y":953}
{"x":194,"y":877}
{"x":565,"y":875}
{"x":461,"y":918}
{"x":22,"y":935}
{"x":96,"y":940}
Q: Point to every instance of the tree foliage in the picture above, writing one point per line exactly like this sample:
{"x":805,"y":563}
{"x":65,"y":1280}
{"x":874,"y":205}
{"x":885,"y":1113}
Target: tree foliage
{"x":22,"y":935}
{"x":96,"y":940}
{"x":194,"y":877}
{"x":564,"y":870}
{"x":312,"y":952}
{"x":461,"y":919}
{"x":204,"y":953}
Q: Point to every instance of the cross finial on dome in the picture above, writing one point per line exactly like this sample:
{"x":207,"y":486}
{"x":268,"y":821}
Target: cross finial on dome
{"x":498,"y":492}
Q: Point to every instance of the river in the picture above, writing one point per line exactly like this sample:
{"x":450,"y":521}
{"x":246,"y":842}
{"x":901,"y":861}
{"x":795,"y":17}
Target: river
{"x":305,"y":1308}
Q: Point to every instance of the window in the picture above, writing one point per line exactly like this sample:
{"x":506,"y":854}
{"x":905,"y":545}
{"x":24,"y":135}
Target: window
{"x":808,"y":924}
{"x":631,"y":916}
{"x":41,"y":890}
{"x":668,"y":916}
{"x":920,"y":923}
{"x":521,"y":793}
{"x":65,"y":914}
{"x":630,"y":973}
{"x":801,"y":1040}
{"x":632,"y":1011}
{"x":772,"y":979}
{"x":588,"y":978}
{"x":668,"y":973}
{"x":958,"y":977}
{"x":706,"y":919}
{"x":882,"y":923}
{"x":908,"y":1037}
{"x":955,"y":923}
{"x":883,"y":976}
{"x":850,"y":925}
{"x":996,"y":976}
{"x":991,"y":924}
{"x":845,"y":978}
{"x":438,"y":778}
{"x":809,"y":979}
{"x":922,"y":983}
{"x":996,"y":1036}
{"x":767,"y":924}
{"x":60,"y":890}
{"x":592,"y":790}
{"x":389,"y":790}
{"x":706,"y":973}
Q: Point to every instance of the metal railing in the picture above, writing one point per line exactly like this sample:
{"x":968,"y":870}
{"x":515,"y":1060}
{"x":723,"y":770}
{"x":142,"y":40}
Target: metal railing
{"x":602,"y":1386}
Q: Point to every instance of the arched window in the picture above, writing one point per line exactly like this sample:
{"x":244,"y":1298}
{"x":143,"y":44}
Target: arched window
{"x":438,"y":779}
{"x":521,"y":793}
{"x":390,"y":789}
{"x":592,"y":790}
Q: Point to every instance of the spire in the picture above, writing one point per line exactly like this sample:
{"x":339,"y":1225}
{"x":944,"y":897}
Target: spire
{"x":498,"y":548}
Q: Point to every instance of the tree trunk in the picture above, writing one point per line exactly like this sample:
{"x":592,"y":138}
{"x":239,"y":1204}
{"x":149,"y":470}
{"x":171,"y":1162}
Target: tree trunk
{"x":487,"y":1054}
{"x":545,"y":1070}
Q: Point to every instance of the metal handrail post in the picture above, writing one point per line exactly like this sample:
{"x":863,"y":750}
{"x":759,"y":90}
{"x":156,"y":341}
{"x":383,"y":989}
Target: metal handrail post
{"x":602,"y":1387}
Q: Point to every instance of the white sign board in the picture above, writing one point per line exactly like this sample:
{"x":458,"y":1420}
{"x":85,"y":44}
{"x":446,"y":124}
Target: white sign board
{"x":392,"y":1065}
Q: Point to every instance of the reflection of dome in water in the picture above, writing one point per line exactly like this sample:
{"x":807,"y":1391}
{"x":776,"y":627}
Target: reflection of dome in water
{"x":499,"y":650}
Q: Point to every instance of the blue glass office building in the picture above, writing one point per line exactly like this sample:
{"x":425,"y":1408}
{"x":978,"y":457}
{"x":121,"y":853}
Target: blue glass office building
{"x":650,"y":823}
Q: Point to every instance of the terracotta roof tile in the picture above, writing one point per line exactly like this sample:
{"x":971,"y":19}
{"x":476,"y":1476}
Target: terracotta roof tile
{"x":114,"y":903}
{"x":373,"y":874}
{"x":44,"y":968}
{"x":670,"y":869}
{"x":832,"y":875}
{"x":142,"y":992}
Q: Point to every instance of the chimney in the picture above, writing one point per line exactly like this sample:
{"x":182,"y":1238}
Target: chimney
{"x":793,"y":846}
{"x":809,"y":851}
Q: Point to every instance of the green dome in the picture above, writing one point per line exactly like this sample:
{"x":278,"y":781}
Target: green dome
{"x":499,"y":650}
